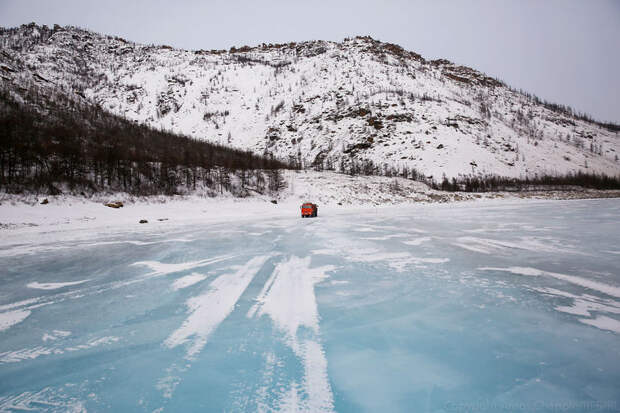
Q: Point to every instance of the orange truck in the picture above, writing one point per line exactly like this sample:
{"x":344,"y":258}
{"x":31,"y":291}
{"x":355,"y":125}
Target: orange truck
{"x":309,"y":209}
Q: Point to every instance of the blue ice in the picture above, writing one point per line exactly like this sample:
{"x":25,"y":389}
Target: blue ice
{"x":506,"y":306}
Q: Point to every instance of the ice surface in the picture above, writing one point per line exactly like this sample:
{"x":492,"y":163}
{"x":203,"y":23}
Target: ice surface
{"x":160,"y":268}
{"x":417,"y":241}
{"x":508,"y":306}
{"x":593,"y":285}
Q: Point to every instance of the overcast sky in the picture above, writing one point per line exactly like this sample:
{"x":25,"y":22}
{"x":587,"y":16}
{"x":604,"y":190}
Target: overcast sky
{"x":562,"y":50}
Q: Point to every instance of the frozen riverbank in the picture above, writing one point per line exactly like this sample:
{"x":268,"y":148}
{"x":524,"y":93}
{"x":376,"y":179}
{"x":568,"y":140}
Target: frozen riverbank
{"x":21,"y":215}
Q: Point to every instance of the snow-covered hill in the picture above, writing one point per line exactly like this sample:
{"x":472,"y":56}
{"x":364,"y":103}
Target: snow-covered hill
{"x":323,"y":104}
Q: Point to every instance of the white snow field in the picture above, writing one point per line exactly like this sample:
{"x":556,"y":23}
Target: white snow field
{"x":465,"y":307}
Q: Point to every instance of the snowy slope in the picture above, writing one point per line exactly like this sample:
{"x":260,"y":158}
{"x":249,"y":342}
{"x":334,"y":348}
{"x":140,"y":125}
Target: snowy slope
{"x":323,"y":104}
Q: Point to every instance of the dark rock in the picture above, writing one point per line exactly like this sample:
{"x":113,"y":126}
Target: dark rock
{"x":399,"y":117}
{"x":356,"y":147}
{"x":375,"y":123}
{"x":144,"y":221}
{"x":45,"y":202}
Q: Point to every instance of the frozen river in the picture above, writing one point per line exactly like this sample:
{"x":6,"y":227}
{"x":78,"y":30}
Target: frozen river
{"x":436,"y":308}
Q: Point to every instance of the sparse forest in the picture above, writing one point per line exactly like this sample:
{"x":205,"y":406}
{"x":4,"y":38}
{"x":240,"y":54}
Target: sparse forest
{"x":486,"y":183}
{"x":544,"y":182}
{"x":55,"y":143}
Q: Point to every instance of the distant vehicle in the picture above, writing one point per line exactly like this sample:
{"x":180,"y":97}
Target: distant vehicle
{"x":309,"y":209}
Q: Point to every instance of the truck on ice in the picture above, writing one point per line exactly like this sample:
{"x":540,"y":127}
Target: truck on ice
{"x":308,"y":209}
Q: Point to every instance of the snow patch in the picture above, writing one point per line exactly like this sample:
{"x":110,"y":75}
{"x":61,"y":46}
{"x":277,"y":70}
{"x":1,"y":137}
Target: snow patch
{"x":490,"y":246}
{"x":10,"y":318}
{"x":55,"y":335}
{"x":24,"y":354}
{"x":160,"y":268}
{"x":208,"y":310}
{"x":267,"y":382}
{"x":396,"y":260}
{"x":582,"y":282}
{"x":94,"y":343}
{"x":583,"y":305}
{"x":35,"y":352}
{"x":417,"y":241}
{"x":386,"y":237}
{"x":47,"y":399}
{"x":288,"y":298}
{"x":167,"y":385}
{"x":603,"y":322}
{"x":22,"y":303}
{"x":316,"y":382}
{"x":53,"y":286}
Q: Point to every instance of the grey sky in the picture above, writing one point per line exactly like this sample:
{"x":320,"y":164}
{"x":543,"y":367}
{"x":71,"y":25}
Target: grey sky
{"x":562,"y":50}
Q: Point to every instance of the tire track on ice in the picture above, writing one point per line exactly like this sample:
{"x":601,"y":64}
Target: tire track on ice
{"x":208,"y":310}
{"x":288,"y":298}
